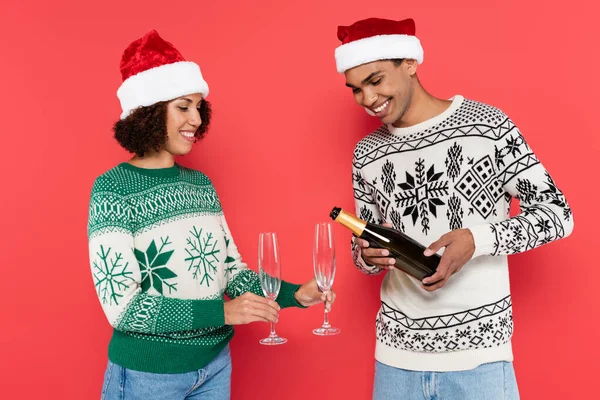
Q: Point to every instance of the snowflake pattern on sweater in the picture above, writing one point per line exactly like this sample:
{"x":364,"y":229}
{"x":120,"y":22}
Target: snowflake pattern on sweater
{"x":460,"y":169}
{"x":162,"y":259}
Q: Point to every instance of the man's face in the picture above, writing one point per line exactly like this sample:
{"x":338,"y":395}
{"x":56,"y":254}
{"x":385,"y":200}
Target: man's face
{"x":383,"y":88}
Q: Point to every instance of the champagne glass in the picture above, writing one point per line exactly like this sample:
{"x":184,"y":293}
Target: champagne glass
{"x":269,"y":269}
{"x":324,"y":268}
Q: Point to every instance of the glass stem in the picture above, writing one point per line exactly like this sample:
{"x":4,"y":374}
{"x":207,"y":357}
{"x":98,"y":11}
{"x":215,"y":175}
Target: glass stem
{"x":273,"y":334}
{"x":326,"y":316}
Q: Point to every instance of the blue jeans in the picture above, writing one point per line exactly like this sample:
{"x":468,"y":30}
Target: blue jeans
{"x":212,"y":382}
{"x":493,"y":381}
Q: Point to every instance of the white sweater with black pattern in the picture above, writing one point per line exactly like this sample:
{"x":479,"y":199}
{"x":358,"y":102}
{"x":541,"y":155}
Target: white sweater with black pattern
{"x":460,"y":169}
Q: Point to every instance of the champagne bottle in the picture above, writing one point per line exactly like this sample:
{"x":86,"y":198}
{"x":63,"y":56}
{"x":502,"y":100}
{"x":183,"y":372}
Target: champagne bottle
{"x":407,"y":252}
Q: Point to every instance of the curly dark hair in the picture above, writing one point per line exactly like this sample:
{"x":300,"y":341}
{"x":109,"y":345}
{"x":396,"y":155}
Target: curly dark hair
{"x":145,"y":129}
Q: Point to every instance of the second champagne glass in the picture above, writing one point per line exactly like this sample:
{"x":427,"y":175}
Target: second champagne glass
{"x":269,"y":270}
{"x":324,"y":266}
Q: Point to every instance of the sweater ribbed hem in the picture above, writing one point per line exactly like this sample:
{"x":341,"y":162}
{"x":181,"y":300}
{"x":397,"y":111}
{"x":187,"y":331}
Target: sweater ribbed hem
{"x":485,"y":240}
{"x":457,"y":101}
{"x":286,"y":295}
{"x":442,"y":362}
{"x":149,"y":355}
{"x":207,"y":313}
{"x":156,"y":172}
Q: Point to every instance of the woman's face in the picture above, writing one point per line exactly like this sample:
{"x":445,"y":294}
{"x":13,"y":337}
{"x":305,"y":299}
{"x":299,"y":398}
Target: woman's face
{"x":183,"y":120}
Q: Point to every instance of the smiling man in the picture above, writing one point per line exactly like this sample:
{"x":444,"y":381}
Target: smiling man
{"x":444,"y":172}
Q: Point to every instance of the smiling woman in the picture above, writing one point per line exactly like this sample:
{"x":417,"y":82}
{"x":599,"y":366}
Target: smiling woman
{"x":146,"y":130}
{"x":161,"y":252}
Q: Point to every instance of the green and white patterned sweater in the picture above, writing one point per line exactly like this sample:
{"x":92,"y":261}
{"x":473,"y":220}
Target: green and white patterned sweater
{"x":162,"y":259}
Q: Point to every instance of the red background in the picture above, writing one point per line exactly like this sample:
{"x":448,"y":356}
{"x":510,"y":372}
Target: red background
{"x":279,"y":152}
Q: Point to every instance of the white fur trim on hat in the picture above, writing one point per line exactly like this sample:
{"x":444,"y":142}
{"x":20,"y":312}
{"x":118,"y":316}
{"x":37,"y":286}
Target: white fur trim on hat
{"x":163,"y":83}
{"x":381,"y":47}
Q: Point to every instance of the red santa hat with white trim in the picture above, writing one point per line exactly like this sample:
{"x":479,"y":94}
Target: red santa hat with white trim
{"x":153,"y":70}
{"x":375,"y":39}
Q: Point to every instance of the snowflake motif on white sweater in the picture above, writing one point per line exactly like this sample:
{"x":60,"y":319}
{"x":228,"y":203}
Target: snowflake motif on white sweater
{"x":460,"y":169}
